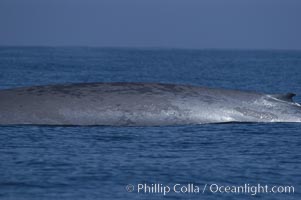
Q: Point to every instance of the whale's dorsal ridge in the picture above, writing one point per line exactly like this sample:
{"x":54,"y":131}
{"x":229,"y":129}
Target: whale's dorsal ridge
{"x":284,"y":97}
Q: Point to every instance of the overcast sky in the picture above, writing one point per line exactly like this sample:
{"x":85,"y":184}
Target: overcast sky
{"x":243,"y":24}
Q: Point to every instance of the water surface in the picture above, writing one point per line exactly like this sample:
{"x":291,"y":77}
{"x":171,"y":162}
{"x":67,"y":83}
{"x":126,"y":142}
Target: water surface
{"x":57,"y":162}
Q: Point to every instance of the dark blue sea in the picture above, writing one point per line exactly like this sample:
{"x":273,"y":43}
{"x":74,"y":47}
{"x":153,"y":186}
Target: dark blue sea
{"x":79,"y":163}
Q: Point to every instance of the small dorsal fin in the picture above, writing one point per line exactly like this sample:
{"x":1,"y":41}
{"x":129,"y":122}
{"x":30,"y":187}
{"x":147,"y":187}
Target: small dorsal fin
{"x":284,"y":97}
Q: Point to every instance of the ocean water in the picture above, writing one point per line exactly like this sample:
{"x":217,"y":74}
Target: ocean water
{"x":57,"y":162}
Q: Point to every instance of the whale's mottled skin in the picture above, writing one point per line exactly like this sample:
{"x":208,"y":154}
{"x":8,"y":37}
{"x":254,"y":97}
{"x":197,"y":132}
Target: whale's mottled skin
{"x":140,"y":104}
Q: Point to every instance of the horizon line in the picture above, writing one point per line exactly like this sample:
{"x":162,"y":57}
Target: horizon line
{"x":151,"y":47}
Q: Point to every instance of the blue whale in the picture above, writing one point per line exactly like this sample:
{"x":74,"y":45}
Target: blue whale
{"x":141,"y":104}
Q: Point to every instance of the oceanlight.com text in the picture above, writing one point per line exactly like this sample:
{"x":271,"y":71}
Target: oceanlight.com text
{"x":191,"y":188}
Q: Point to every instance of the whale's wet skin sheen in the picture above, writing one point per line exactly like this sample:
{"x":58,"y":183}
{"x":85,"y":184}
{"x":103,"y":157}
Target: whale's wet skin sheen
{"x":141,"y":104}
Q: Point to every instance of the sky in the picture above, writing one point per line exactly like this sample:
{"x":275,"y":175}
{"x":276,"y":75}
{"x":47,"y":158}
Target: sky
{"x":201,"y":24}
